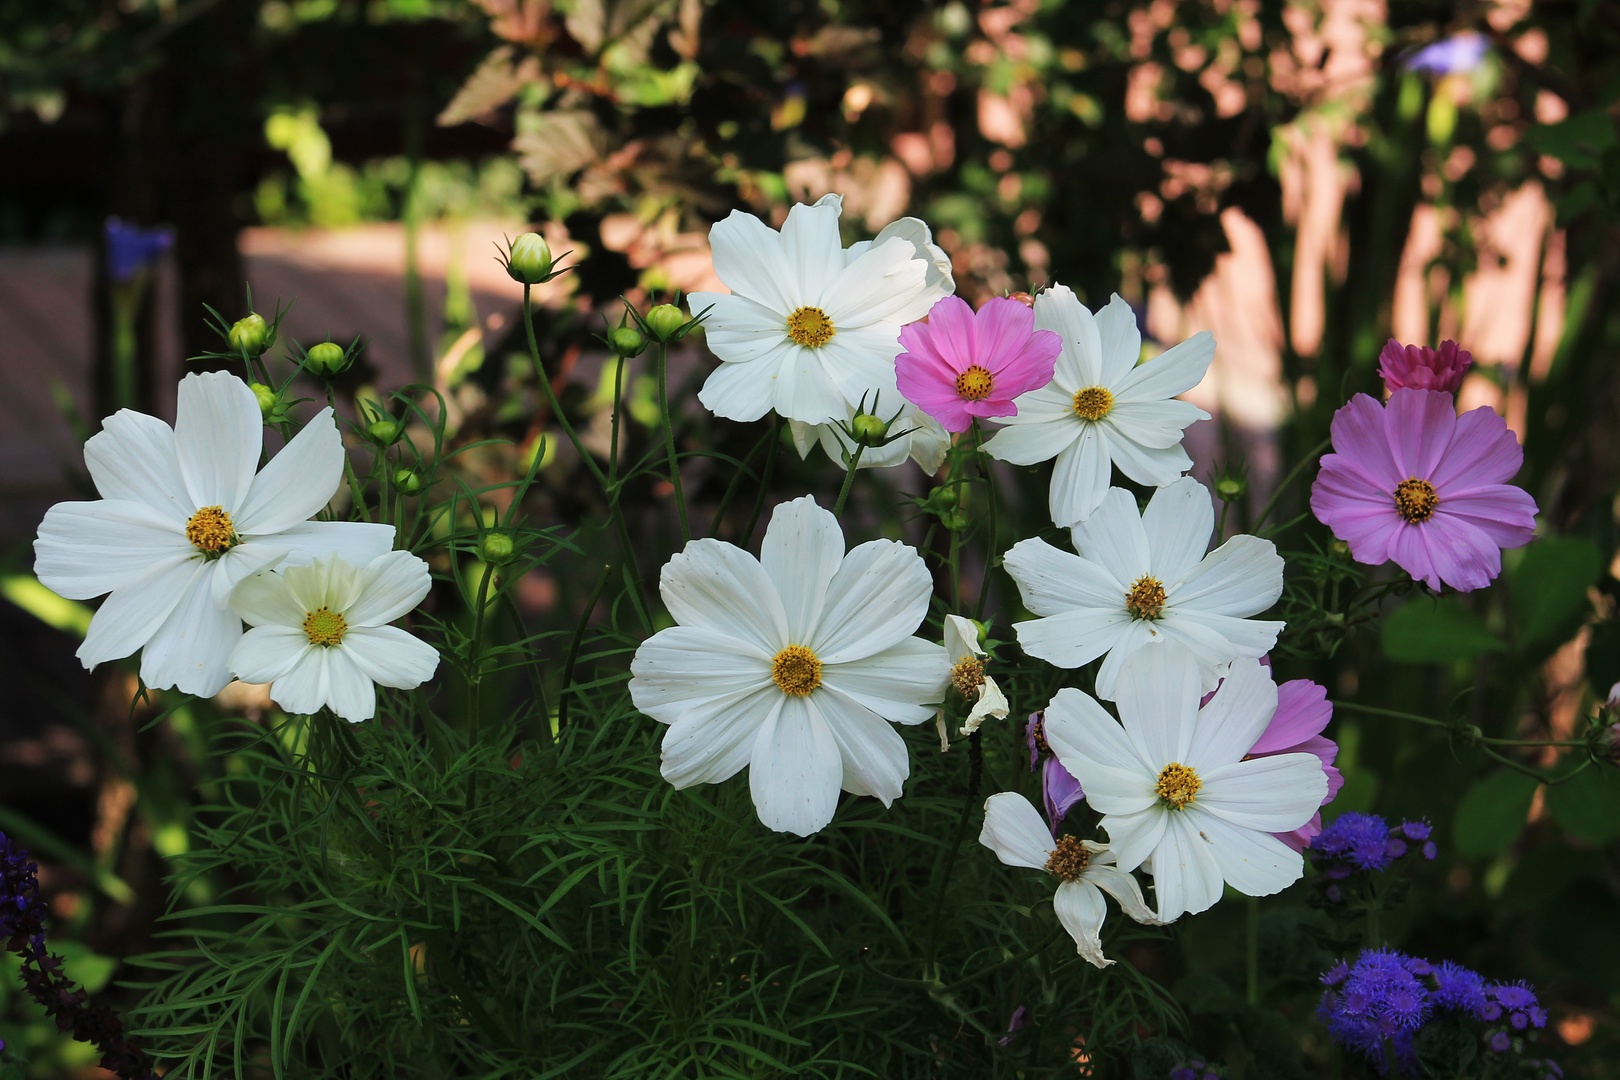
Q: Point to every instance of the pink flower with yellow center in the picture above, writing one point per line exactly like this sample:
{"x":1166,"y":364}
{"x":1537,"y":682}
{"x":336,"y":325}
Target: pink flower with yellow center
{"x":960,"y":364}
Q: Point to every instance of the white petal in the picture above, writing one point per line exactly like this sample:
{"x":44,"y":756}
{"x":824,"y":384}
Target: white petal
{"x":796,"y":771}
{"x":939,"y":281}
{"x":739,"y":330}
{"x":745,"y":392}
{"x":265,"y":599}
{"x":1133,"y":635}
{"x":1030,"y":438}
{"x":805,"y":384}
{"x":1272,"y":794}
{"x":1145,"y":465}
{"x":392,"y":585}
{"x":872,"y":753}
{"x":887,"y":283}
{"x":680,"y":670}
{"x":1114,"y":537}
{"x":721,"y":587}
{"x":1052,"y":581}
{"x":328,"y":582}
{"x":1235,"y":637}
{"x":1157,"y":693}
{"x":1015,"y":831}
{"x":133,"y":457}
{"x":1122,"y":887}
{"x":297,"y":483}
{"x":876,"y":600}
{"x":1059,"y":310}
{"x":1133,"y":838}
{"x":1178,"y":521}
{"x":961,"y":638}
{"x":1119,"y":340}
{"x":1236,"y":717}
{"x":218,"y":434}
{"x":1253,"y":863}
{"x":861,"y":361}
{"x":801,"y":552}
{"x":266,"y":653}
{"x":992,"y":703}
{"x":1242,"y":577}
{"x":713,"y":743}
{"x":1187,"y":878}
{"x":812,"y":250}
{"x":349,"y":692}
{"x":1071,"y":639}
{"x":85,"y":549}
{"x":355,"y":542}
{"x":389,"y":656}
{"x":1080,"y":478}
{"x":1152,"y":424}
{"x":241,"y":562}
{"x":1174,"y":371}
{"x":902,"y":683}
{"x":748,"y":258}
{"x":134,"y":612}
{"x":1080,"y":909}
{"x":192,"y":649}
{"x":1097,"y":752}
{"x":305,"y":688}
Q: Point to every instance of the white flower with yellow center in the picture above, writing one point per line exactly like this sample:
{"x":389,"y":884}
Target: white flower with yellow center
{"x":1144,"y":579}
{"x":321,"y":636}
{"x":792,"y":665}
{"x":809,"y":326}
{"x":185,"y":515}
{"x":1172,"y":784}
{"x":967,"y":673}
{"x":1101,"y":408}
{"x":1014,"y":830}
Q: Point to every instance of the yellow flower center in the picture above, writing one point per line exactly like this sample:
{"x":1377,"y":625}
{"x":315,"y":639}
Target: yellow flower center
{"x":796,"y":670}
{"x":1415,"y":500}
{"x":1093,"y":403}
{"x":810,"y":327}
{"x":325,"y":627}
{"x":1145,"y":599}
{"x":968,"y":675}
{"x":210,"y":531}
{"x":975,"y":383}
{"x":1068,"y":859}
{"x":1177,"y":785}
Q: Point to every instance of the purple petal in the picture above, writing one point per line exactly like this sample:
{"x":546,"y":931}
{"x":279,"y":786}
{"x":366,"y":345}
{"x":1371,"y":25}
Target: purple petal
{"x":1483,"y":451}
{"x":1303,"y":710}
{"x":1419,"y":425}
{"x":1059,"y":791}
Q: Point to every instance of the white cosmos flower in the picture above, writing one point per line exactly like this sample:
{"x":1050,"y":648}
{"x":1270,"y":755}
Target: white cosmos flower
{"x":1101,"y":407}
{"x":1013,"y":829}
{"x":924,"y":441}
{"x":321,"y":636}
{"x":182,"y":518}
{"x":1144,"y":579}
{"x":1172,"y":783}
{"x":808,"y":326}
{"x":967,"y":673}
{"x":792,"y":665}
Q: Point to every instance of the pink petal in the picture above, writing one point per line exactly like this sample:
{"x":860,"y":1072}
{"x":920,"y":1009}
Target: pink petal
{"x":1361,"y":444}
{"x":1483,"y":451}
{"x":1419,"y":426}
{"x":1505,"y":514}
{"x":1359,"y":514}
{"x":952,"y":331}
{"x":1303,"y":710}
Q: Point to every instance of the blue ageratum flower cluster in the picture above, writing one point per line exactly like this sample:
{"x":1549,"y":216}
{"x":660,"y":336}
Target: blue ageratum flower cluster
{"x":1195,"y":1069}
{"x":1380,"y":1003}
{"x":1365,"y":843}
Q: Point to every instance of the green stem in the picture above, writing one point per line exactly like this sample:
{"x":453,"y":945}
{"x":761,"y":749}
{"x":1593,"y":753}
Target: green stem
{"x":1253,"y":952}
{"x":475,"y":679}
{"x":1470,"y":737}
{"x":1287,"y":481}
{"x":551,"y":395}
{"x":355,"y":490}
{"x":990,"y":520}
{"x":573,"y":649}
{"x":942,"y":878}
{"x":669,"y":440}
{"x":849,"y":480}
{"x":765,"y":481}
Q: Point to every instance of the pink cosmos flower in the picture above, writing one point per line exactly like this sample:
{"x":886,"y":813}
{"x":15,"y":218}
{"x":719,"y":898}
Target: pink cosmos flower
{"x":959,"y":365}
{"x":1303,"y":710}
{"x":1422,"y":368}
{"x":1416,"y":483}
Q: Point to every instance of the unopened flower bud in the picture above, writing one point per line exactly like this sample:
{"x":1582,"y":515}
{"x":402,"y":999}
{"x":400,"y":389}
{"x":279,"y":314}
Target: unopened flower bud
{"x":529,"y":259}
{"x":869,"y":430}
{"x":1231,"y":488}
{"x":956,"y":521}
{"x":497,"y":548}
{"x":1023,"y":298}
{"x":249,"y":335}
{"x":944,"y":498}
{"x":384,"y":431}
{"x":406,"y":481}
{"x":665,"y":321}
{"x":269,"y":401}
{"x":627,"y":341}
{"x":326,"y":359}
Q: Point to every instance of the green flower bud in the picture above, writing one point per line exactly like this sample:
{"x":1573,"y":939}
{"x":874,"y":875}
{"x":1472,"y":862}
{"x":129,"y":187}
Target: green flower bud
{"x":384,"y":431}
{"x":497,"y":548}
{"x":956,"y":521}
{"x":249,"y":336}
{"x":269,"y":400}
{"x":326,"y":359}
{"x":528,"y":260}
{"x":869,"y":430}
{"x":1231,"y":488}
{"x":627,"y":342}
{"x":406,"y":481}
{"x":944,"y":498}
{"x":665,"y":321}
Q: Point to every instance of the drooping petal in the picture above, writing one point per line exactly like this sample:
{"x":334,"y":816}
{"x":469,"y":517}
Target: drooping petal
{"x":218,"y":433}
{"x":872,"y":753}
{"x":85,"y":549}
{"x":801,"y":552}
{"x":877,"y":598}
{"x":1122,"y":887}
{"x":1080,"y":908}
{"x":1013,"y":829}
{"x":297,"y":483}
{"x":721,"y":587}
{"x":134,"y":612}
{"x":391,"y":586}
{"x":992,"y":703}
{"x":1178,"y":522}
{"x":902,"y":683}
{"x":266,"y":653}
{"x":796,"y":770}
{"x":192,"y":649}
{"x":389,"y":656}
{"x":1235,"y":717}
{"x":133,"y":458}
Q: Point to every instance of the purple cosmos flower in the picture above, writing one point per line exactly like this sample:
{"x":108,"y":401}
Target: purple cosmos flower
{"x":1303,"y":710}
{"x":1059,"y":789}
{"x":1422,"y":368}
{"x":1414,"y":482}
{"x":1457,"y":54}
{"x":958,"y":365}
{"x":131,"y":249}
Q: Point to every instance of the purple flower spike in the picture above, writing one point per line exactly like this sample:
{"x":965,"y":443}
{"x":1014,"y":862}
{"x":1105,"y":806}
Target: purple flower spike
{"x":1414,"y":483}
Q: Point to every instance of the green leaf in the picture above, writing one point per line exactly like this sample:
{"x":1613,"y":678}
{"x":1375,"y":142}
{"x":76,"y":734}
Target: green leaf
{"x":1492,"y":813}
{"x":1588,"y":806}
{"x":1549,"y":591}
{"x":1579,"y":140}
{"x":1437,"y":632}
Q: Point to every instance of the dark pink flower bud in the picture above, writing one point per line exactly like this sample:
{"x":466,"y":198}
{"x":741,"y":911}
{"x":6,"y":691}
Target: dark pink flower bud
{"x":1422,"y":368}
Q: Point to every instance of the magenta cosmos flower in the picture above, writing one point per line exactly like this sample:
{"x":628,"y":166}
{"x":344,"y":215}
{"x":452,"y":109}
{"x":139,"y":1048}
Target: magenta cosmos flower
{"x":1415,"y":483}
{"x":959,"y":365}
{"x":1419,"y":367}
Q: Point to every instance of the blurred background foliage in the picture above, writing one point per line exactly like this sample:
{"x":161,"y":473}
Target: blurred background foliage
{"x":1307,"y":178}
